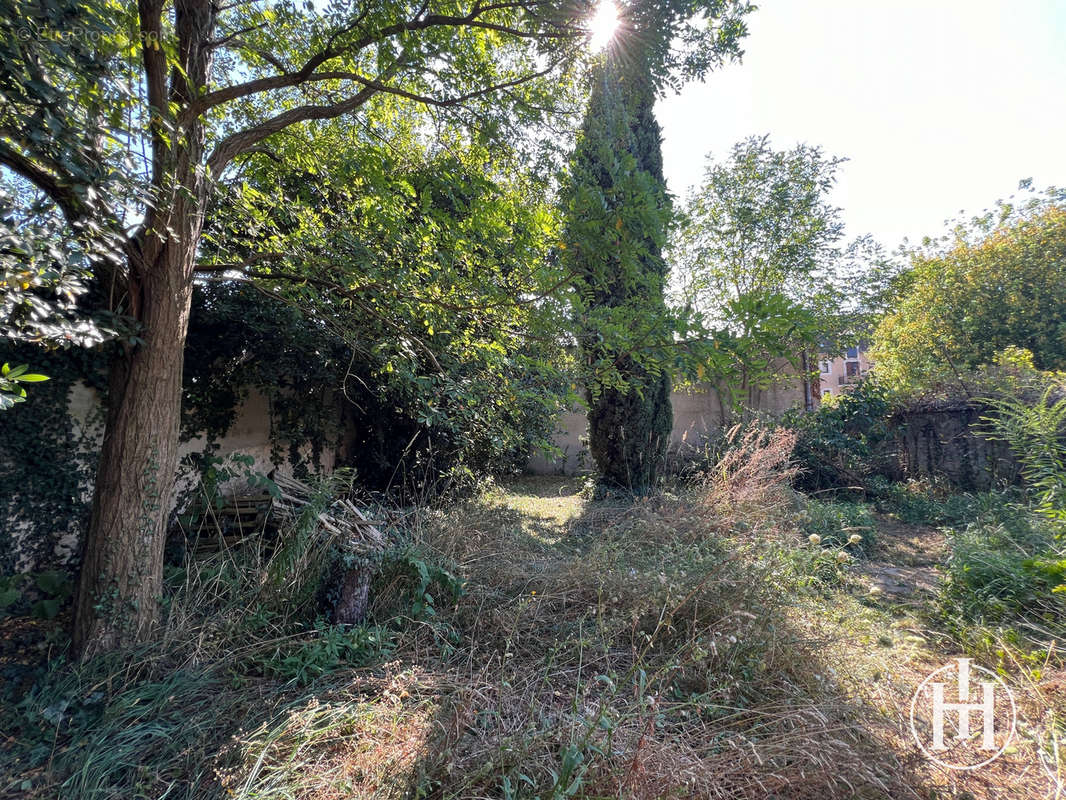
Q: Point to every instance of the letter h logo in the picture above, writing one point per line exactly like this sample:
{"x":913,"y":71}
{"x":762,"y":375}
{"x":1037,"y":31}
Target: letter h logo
{"x":987,"y":707}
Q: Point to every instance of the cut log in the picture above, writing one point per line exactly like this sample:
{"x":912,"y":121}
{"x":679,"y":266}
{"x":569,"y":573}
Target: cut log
{"x":353,"y":599}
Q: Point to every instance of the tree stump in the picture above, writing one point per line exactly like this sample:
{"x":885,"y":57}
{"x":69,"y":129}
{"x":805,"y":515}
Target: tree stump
{"x":353,"y":600}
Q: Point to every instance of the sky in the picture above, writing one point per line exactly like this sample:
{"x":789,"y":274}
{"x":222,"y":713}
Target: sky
{"x":941,"y":106}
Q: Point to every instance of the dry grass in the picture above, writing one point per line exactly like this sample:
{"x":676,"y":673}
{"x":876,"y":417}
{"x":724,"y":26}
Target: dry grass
{"x":665,"y":647}
{"x":639,"y":657}
{"x":754,"y":474}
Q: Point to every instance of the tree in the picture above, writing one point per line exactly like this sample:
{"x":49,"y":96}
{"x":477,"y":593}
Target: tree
{"x":127,"y":120}
{"x":759,"y":257}
{"x":198,"y":86}
{"x":998,"y":282}
{"x":427,"y":265}
{"x":618,"y":214}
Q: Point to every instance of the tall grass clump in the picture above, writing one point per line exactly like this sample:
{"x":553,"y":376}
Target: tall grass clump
{"x":1006,"y":581}
{"x":245,"y":637}
{"x":749,"y":482}
{"x":1007,"y":571}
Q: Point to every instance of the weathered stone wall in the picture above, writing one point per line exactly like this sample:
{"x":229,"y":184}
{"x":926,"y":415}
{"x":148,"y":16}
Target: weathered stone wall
{"x":943,"y":443}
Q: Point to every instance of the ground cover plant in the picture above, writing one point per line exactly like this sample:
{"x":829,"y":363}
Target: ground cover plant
{"x":727,"y":637}
{"x":518,"y":645}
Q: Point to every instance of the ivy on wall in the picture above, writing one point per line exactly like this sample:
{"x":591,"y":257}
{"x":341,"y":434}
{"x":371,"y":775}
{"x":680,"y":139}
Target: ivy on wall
{"x":46,"y":458}
{"x":241,"y":339}
{"x":324,"y":394}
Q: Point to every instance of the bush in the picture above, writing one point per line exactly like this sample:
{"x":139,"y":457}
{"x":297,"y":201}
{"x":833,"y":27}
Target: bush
{"x":1035,"y":430}
{"x":841,"y":446}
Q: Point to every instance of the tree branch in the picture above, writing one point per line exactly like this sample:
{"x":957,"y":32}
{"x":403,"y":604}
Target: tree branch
{"x":237,"y":143}
{"x":352,"y":292}
{"x":60,"y":191}
{"x":307,"y":71}
{"x":447,"y":102}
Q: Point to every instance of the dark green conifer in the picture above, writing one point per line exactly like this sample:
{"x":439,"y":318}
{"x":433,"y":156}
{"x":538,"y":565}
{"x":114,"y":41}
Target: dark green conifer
{"x":617,"y":216}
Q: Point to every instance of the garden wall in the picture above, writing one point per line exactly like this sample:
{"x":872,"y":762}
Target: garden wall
{"x":21,"y":547}
{"x":698,"y":418}
{"x":941,"y":442}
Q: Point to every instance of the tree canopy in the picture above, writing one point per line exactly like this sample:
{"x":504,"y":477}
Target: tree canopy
{"x":759,"y":258}
{"x":998,"y":282}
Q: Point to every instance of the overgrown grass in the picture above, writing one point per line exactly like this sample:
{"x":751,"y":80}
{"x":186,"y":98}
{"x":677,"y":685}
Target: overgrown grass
{"x":923,"y":502}
{"x":1005,"y":585}
{"x":611,"y":649}
{"x":838,"y":523}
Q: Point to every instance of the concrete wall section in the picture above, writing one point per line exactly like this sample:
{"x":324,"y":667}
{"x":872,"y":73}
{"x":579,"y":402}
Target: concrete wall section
{"x":249,"y":435}
{"x":944,"y":444}
{"x":697,"y":419}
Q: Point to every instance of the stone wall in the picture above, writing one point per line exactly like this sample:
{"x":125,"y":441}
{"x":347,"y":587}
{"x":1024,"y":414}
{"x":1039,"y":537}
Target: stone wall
{"x":941,"y":442}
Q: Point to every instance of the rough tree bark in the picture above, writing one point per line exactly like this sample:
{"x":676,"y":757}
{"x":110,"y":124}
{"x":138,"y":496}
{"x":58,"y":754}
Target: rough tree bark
{"x":122,"y":574}
{"x":121,"y":580}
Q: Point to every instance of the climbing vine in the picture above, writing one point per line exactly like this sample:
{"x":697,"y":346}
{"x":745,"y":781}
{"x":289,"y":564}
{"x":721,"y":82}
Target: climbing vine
{"x":242,"y":340}
{"x":324,"y":395}
{"x":47,"y":459}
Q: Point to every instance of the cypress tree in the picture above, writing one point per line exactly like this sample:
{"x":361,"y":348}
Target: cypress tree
{"x":617,"y":215}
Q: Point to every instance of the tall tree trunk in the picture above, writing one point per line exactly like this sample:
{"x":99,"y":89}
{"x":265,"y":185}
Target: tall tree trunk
{"x":629,"y":432}
{"x":121,"y":578}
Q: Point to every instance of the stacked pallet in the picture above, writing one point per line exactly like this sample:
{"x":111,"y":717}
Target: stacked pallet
{"x":242,"y":516}
{"x":356,"y":535}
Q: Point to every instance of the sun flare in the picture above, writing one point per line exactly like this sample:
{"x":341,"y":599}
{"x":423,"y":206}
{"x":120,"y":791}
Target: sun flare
{"x":603,"y":25}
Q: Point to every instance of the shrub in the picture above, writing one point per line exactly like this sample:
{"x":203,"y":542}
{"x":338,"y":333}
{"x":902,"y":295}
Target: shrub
{"x":841,"y":446}
{"x":1036,"y":434}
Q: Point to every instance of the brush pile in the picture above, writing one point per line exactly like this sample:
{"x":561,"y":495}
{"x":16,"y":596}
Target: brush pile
{"x":359,"y":541}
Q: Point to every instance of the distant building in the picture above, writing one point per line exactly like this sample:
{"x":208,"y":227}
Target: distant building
{"x":839,"y":373}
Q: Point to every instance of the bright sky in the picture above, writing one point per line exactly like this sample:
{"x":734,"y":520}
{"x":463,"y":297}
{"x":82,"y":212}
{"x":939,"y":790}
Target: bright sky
{"x":940,"y":105}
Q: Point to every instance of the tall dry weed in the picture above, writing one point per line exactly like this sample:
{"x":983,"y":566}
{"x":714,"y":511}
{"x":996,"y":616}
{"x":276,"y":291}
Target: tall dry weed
{"x":751,"y":479}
